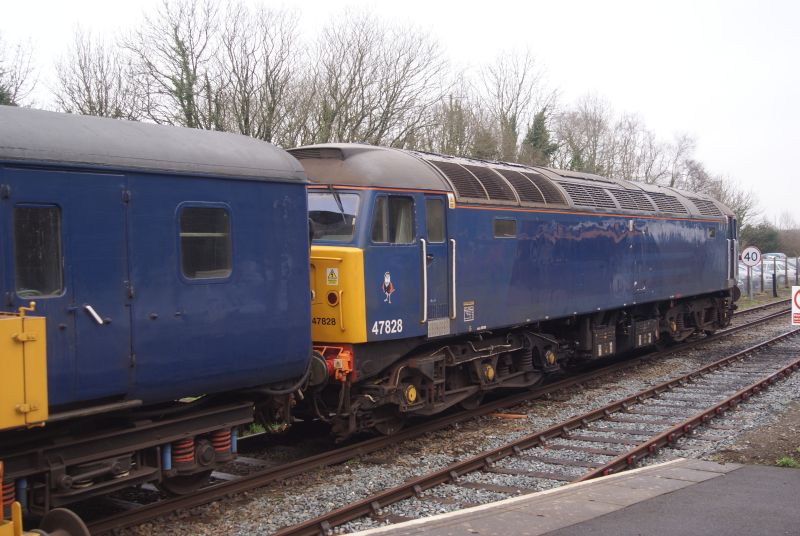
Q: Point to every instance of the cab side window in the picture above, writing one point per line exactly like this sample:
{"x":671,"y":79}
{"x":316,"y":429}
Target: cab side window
{"x":434,"y":220}
{"x":38,"y":262}
{"x":393,"y":220}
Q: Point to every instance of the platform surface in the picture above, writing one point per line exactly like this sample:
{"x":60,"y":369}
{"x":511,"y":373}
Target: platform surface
{"x":687,"y":497}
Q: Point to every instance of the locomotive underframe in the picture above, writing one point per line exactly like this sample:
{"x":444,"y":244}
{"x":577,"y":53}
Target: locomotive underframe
{"x":433,"y":376}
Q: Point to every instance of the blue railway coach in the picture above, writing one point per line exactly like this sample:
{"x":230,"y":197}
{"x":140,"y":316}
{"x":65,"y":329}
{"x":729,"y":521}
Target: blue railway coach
{"x":169,"y":272}
{"x":437,"y":279}
{"x":167,"y":262}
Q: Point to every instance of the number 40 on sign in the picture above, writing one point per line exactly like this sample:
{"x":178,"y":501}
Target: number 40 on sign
{"x":796,"y":306}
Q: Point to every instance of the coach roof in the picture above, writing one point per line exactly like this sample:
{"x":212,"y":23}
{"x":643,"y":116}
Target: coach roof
{"x":36,"y":136}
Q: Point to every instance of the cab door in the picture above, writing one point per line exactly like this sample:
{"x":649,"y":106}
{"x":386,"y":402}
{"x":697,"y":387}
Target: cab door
{"x":437,"y":252}
{"x":69,"y":255}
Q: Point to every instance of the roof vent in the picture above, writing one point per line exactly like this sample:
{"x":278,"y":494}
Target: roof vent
{"x":464,"y":182}
{"x":526,"y":189}
{"x":497,"y":188}
{"x":589,"y":196}
{"x":317,"y":152}
{"x":552,"y":195}
{"x":632,"y":200}
{"x":706,"y":207}
{"x":668,"y":203}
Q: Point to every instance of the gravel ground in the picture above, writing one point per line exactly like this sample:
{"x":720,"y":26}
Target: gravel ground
{"x":265,"y":510}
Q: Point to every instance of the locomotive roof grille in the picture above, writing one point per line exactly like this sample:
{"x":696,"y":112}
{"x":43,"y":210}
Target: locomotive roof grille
{"x":497,"y":188}
{"x":464,"y":182}
{"x":706,"y":207}
{"x":668,"y":203}
{"x":590,"y":196}
{"x":550,"y":191}
{"x":526,"y":189}
{"x":318,"y":152}
{"x":633,"y":200}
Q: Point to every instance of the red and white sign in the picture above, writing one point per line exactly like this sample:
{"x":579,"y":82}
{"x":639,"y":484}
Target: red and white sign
{"x":751,"y":256}
{"x":796,"y":306}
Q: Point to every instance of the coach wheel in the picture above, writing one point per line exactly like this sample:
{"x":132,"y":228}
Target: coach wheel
{"x":62,"y":522}
{"x":185,"y":484}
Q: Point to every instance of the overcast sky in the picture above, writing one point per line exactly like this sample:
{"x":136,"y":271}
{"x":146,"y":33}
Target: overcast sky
{"x":728,"y":73}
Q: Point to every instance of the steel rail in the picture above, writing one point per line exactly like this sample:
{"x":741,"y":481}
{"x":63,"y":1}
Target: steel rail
{"x":372,"y":505}
{"x":342,"y":454}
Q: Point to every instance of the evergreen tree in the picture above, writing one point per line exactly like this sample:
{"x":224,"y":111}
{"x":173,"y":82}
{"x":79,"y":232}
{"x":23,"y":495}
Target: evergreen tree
{"x":536,"y":147}
{"x":5,"y":96}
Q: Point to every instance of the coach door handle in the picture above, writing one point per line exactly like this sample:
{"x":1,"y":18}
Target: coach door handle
{"x":424,"y":280}
{"x":89,"y":309}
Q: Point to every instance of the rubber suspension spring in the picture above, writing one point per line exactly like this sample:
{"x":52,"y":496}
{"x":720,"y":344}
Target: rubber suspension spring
{"x":9,"y":494}
{"x":221,"y":440}
{"x":183,"y":451}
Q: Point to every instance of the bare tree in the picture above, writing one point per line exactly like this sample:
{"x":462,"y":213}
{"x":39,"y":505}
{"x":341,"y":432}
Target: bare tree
{"x":584,"y":136}
{"x":172,"y":54}
{"x":680,"y":152}
{"x":16,"y":73}
{"x":374,"y":83}
{"x":258,"y":65}
{"x":511,"y":87}
{"x":94,"y":79}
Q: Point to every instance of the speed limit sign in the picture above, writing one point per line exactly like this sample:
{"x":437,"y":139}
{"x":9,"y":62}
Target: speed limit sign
{"x":751,"y":256}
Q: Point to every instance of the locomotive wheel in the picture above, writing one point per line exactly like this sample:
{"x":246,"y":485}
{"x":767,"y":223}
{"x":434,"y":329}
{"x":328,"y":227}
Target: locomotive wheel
{"x":472,"y":401}
{"x":63,"y":522}
{"x":389,"y":422}
{"x":184,"y":484}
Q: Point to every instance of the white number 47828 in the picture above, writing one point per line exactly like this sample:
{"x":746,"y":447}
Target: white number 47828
{"x":381,"y":327}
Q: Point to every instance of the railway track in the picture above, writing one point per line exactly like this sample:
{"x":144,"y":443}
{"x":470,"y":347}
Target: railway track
{"x":616,"y":436}
{"x":260,"y":477}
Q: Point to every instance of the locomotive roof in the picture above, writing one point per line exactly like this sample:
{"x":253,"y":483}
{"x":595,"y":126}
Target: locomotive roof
{"x":36,"y":136}
{"x":496,"y":183}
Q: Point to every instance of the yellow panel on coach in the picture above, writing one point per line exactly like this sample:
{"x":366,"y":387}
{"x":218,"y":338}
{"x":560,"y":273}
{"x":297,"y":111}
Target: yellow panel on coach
{"x":338,"y":310}
{"x":23,"y":371}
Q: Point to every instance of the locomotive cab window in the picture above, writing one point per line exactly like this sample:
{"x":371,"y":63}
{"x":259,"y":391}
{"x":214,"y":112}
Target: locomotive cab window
{"x":38,"y":263}
{"x":333,"y":215}
{"x":505,"y":228}
{"x":393,"y":220}
{"x":434,"y":220}
{"x":205,"y":234}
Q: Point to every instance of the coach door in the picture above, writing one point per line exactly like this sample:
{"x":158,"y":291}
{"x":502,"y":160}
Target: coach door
{"x":437,"y":252}
{"x":69,"y":256}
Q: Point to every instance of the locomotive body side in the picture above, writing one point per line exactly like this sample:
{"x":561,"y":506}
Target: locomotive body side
{"x":463,"y":294}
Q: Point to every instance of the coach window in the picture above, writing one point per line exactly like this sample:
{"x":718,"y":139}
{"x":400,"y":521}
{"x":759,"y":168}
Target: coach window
{"x":393,"y":220}
{"x":205,"y":234}
{"x":38,"y":262}
{"x":434,"y":220}
{"x":504,"y":228}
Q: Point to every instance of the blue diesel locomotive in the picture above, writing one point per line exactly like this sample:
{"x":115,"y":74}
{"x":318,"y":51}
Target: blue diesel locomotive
{"x":167,"y":263}
{"x":436,"y":279}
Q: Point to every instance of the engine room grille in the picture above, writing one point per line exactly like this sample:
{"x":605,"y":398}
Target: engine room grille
{"x":320,"y":152}
{"x":550,"y":191}
{"x":706,"y":208}
{"x":495,"y":186}
{"x":589,"y":196}
{"x":668,"y":203}
{"x":632,"y":200}
{"x":464,"y":182}
{"x":526,"y":189}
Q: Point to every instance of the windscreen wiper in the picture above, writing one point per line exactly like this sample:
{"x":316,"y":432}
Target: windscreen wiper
{"x":338,"y":203}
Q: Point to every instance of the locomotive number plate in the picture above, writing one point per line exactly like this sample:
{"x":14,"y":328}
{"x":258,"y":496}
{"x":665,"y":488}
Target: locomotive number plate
{"x":381,"y":327}
{"x":323,"y":321}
